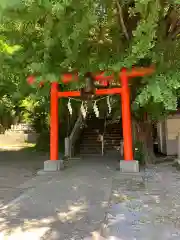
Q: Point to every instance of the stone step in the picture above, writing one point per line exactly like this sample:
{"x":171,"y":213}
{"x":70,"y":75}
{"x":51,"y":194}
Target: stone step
{"x":98,"y":128}
{"x":90,"y":140}
{"x":90,"y":149}
{"x":84,"y":143}
{"x":99,"y":144}
{"x":90,"y":152}
{"x":97,"y":139}
{"x":105,"y":135}
{"x":112,"y":137}
{"x":110,"y":140}
{"x":111,"y":145}
{"x":91,"y":137}
{"x":86,"y":155}
{"x":113,"y":129}
{"x":101,"y":132}
{"x":92,"y":146}
{"x":91,"y":133}
{"x":87,"y":141}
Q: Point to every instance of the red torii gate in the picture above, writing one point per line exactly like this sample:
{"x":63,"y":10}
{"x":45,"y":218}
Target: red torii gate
{"x":124,"y":92}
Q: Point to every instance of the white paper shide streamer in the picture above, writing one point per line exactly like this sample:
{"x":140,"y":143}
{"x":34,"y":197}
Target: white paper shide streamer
{"x":96,"y":110}
{"x":109,"y":104}
{"x":83,"y":110}
{"x":70,"y":107}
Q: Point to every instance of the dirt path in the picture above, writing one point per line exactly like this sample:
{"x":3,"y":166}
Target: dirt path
{"x":15,"y":168}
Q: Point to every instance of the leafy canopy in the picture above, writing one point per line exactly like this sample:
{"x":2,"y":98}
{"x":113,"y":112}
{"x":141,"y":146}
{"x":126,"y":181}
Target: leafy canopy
{"x":56,"y":36}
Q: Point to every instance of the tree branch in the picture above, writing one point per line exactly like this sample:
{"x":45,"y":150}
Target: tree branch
{"x":120,"y":12}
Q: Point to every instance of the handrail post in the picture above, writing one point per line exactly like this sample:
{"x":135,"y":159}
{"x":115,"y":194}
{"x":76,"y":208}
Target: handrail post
{"x":102,"y":145}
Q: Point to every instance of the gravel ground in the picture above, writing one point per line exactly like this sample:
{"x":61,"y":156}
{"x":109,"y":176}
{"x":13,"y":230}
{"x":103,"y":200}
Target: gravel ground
{"x":149,"y":210}
{"x":16,"y":167}
{"x":145,"y":211}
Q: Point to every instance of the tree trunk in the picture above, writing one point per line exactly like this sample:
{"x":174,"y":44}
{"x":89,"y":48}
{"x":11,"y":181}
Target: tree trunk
{"x":143,"y":134}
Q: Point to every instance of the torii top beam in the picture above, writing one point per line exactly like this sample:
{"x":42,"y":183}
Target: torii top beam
{"x":100,"y":77}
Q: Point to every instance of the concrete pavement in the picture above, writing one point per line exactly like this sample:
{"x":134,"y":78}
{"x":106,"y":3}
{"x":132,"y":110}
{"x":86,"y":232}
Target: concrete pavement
{"x":148,"y":210}
{"x":66,"y":205}
{"x":90,"y":194}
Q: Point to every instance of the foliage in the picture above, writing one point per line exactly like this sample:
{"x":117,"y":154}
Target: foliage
{"x":7,"y":112}
{"x":49,"y":37}
{"x":35,"y":111}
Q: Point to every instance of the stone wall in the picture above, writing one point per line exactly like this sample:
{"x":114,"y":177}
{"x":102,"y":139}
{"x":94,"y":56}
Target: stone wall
{"x":18,"y":134}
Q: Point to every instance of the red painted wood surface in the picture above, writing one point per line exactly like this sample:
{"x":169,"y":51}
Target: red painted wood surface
{"x":54,"y":131}
{"x":109,"y":91}
{"x":126,"y":116}
{"x":124,"y":91}
{"x":100,"y":77}
{"x":32,"y":80}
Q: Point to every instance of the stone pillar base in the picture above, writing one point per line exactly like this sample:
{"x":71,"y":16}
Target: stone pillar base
{"x":129,"y":170}
{"x":52,"y":167}
{"x":129,"y":166}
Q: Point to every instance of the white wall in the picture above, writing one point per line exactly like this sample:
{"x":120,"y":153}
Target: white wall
{"x":167,"y":133}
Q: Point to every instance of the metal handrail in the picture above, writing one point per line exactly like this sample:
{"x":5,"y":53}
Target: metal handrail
{"x":74,"y":135}
{"x":102,"y":141}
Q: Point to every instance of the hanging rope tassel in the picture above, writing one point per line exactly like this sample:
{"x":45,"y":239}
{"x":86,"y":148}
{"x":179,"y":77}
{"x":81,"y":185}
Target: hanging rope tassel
{"x":83,"y":110}
{"x":109,"y":105}
{"x":96,"y":110}
{"x":70,"y":107}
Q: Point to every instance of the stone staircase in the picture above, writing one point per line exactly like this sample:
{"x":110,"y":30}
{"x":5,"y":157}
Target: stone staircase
{"x":91,"y":138}
{"x":113,"y":137}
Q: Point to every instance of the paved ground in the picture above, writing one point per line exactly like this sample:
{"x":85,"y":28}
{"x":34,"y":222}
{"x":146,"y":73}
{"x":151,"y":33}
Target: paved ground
{"x":88,"y":195}
{"x":16,"y":167}
{"x":146,"y":211}
{"x":69,"y":205}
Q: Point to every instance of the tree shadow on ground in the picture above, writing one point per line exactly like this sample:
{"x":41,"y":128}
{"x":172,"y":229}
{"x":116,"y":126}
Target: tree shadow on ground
{"x":23,"y":157}
{"x":74,"y":217}
{"x":62,"y":225}
{"x":17,"y":167}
